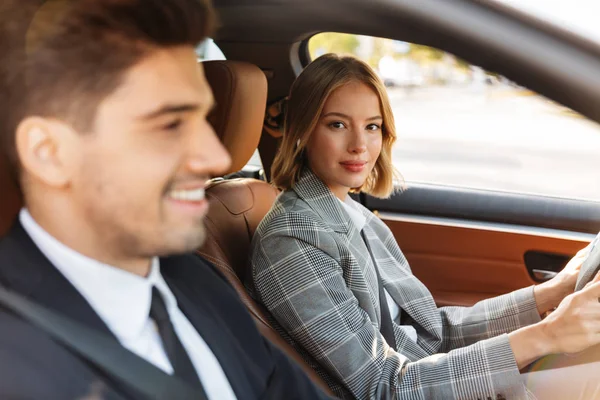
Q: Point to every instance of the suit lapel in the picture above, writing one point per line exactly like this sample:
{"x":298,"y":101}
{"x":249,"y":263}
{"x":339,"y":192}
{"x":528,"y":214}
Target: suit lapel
{"x":197,"y":303}
{"x":25,"y":270}
{"x":407,"y":291}
{"x":398,"y":281}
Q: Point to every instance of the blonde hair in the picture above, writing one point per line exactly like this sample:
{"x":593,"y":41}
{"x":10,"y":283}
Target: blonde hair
{"x":305,"y":104}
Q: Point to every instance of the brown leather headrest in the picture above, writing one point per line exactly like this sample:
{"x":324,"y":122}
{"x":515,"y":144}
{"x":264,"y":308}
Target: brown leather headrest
{"x":10,"y":198}
{"x":240,"y":91}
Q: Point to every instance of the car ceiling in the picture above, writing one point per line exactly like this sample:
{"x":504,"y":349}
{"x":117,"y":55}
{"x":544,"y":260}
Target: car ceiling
{"x":546,"y":59}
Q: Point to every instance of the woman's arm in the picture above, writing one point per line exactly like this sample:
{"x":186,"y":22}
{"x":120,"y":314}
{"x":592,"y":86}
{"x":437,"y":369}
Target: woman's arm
{"x":463,"y":326}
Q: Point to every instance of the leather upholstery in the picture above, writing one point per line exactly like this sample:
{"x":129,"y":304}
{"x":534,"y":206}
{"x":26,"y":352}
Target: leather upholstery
{"x":240,"y":91}
{"x":10,"y":198}
{"x":238,"y":205}
{"x":236,"y":208}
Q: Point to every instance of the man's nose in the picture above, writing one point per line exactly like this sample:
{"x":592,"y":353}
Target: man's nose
{"x":206,"y":153}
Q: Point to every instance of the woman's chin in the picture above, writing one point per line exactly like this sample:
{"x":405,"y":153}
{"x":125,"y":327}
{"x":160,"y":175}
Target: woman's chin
{"x":353,"y":183}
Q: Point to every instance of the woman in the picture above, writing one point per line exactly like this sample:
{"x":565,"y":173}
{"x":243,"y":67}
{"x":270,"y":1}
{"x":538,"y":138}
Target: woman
{"x":341,"y":291}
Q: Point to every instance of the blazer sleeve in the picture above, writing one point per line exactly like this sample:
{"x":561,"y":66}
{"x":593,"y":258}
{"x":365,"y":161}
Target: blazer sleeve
{"x":302,"y":285}
{"x":488,"y":318}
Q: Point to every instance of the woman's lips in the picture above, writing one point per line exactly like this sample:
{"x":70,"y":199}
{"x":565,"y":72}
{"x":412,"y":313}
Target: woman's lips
{"x":354,"y":166}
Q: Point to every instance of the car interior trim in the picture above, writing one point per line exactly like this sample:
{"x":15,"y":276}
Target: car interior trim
{"x":487,"y":226}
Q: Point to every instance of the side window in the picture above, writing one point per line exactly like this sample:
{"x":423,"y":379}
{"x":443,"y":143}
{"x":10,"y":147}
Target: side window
{"x":460,"y":125}
{"x":208,"y":51}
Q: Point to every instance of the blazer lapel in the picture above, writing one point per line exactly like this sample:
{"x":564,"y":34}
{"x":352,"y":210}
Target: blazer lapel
{"x":407,"y":291}
{"x":25,"y":270}
{"x":198,"y":305}
{"x":359,"y":275}
{"x":322,"y":201}
{"x":357,"y":243}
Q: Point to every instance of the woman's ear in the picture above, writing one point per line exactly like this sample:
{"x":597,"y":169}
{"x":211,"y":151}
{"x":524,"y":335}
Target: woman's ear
{"x":42,"y":146}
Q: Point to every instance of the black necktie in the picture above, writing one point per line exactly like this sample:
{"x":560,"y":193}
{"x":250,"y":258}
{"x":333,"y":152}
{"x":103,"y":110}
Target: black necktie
{"x":387,"y":328}
{"x":180,"y":361}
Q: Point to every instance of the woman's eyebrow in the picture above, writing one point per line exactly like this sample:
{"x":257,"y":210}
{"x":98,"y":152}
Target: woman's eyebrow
{"x":336,"y":114}
{"x":342,"y":115}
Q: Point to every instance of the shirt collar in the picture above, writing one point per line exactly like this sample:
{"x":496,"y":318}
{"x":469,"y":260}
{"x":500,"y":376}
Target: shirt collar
{"x":120,"y":298}
{"x":356,"y":216}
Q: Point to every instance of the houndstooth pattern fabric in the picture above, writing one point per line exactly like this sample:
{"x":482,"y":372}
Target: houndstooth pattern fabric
{"x":313,"y":272}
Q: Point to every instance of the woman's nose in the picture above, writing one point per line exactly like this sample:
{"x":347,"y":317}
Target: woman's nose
{"x":358,"y":143}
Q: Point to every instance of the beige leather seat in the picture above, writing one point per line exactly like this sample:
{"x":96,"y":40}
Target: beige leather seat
{"x":238,"y":205}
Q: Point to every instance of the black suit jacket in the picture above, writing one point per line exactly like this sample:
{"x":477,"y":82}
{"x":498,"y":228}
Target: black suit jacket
{"x":33,"y":366}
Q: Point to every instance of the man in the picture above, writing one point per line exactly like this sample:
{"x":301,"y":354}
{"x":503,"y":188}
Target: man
{"x":104,"y":123}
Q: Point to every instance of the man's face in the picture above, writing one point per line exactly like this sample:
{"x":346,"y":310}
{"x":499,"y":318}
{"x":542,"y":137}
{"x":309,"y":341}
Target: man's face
{"x":140,"y":175}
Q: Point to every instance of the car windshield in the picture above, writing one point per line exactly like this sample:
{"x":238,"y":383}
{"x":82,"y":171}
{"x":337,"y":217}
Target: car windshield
{"x":577,"y":16}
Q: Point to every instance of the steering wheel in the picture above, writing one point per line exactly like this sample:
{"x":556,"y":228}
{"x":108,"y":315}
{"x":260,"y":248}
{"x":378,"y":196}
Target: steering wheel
{"x":590,"y":266}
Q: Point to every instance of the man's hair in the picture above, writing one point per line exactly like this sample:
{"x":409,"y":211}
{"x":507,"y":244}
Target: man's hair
{"x":61,"y":58}
{"x":305,"y":105}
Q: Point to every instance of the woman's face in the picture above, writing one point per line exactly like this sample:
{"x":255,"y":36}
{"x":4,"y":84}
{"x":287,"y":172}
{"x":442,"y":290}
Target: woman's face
{"x":343,"y":148}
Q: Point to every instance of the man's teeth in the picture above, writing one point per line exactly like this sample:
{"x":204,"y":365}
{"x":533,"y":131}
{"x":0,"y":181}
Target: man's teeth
{"x":187,"y":195}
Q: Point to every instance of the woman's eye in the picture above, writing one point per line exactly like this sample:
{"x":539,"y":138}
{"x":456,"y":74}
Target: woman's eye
{"x":373,"y":127}
{"x":337,"y":125}
{"x":172,"y":125}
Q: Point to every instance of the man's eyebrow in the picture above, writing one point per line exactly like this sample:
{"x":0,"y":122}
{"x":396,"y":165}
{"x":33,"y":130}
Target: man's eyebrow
{"x":170,"y":109}
{"x":342,"y":115}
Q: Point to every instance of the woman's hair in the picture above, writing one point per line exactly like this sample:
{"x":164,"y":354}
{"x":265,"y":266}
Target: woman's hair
{"x":305,"y":104}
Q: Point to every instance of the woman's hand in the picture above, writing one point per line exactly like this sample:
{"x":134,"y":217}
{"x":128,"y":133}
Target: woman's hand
{"x":572,"y":327}
{"x":549,"y":294}
{"x":575,"y":325}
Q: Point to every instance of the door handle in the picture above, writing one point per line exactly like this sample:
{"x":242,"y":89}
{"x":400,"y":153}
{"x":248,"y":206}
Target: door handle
{"x":542,"y":275}
{"x":543,"y":266}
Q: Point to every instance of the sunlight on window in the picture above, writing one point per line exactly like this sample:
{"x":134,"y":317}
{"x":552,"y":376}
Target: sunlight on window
{"x":208,"y":50}
{"x":460,"y":125}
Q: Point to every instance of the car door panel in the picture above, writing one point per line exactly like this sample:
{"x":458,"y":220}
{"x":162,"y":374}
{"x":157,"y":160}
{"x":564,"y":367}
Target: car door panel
{"x":476,"y":250}
{"x":464,"y":264}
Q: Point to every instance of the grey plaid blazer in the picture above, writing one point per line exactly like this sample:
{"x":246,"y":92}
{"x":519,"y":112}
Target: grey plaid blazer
{"x":313,"y":272}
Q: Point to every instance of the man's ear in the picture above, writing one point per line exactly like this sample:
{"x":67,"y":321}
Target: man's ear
{"x":43,"y":149}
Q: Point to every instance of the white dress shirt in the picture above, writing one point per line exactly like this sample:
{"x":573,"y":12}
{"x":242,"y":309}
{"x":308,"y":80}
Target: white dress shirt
{"x":359,"y":220}
{"x":122,"y":300}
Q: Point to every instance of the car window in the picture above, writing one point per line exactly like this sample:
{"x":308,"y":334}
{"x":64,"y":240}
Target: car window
{"x":208,"y":51}
{"x":460,"y":125}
